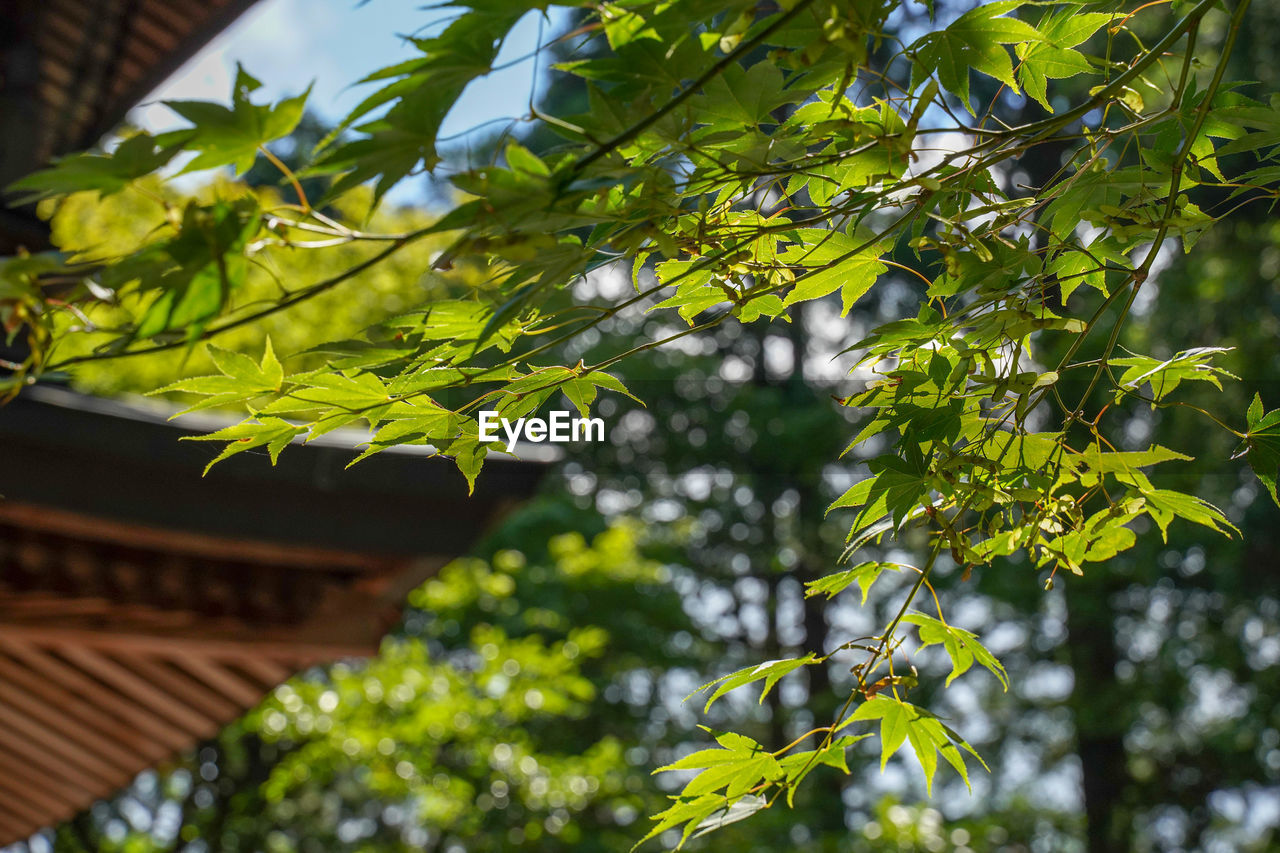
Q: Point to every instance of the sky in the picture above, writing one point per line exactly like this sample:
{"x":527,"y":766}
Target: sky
{"x":288,"y":44}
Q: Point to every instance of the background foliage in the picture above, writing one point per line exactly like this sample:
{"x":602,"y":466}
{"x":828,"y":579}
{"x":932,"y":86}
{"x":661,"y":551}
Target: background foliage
{"x":771,"y":168}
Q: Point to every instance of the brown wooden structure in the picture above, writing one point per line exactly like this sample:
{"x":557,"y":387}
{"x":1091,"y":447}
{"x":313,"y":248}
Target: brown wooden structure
{"x":142,"y":607}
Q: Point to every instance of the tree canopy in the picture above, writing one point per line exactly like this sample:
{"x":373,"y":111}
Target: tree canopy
{"x":1008,"y":181}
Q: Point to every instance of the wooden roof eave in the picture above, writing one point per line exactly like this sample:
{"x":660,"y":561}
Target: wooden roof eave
{"x":143,"y":606}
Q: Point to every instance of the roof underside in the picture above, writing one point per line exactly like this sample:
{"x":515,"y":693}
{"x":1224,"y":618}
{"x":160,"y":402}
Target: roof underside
{"x":121,"y":647}
{"x":79,"y":722}
{"x":143,"y":607}
{"x":100,"y":57}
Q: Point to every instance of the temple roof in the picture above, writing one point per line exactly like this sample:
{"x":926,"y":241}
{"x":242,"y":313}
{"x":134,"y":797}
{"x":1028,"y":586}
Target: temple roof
{"x":143,"y":606}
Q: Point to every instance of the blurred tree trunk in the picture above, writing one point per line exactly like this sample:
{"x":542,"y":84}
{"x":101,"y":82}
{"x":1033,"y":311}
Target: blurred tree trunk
{"x":1100,"y":721}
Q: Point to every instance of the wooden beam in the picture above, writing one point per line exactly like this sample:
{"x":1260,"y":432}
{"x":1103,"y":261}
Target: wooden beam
{"x":40,"y":766}
{"x":36,"y":804}
{"x":26,"y":818}
{"x":11,"y":832}
{"x":26,"y":605}
{"x":108,"y":671}
{"x":185,"y":689}
{"x":123,"y":740}
{"x":297,"y":557}
{"x":269,"y":672}
{"x":227,"y":683}
{"x":13,"y":827}
{"x":308,"y":645}
{"x":103,"y":697}
{"x":38,"y":730}
{"x":216,"y":17}
{"x":69,"y":719}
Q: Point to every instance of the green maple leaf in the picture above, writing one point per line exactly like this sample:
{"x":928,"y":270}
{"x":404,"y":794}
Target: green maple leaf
{"x":232,"y":135}
{"x":1262,"y":445}
{"x":1053,"y":58}
{"x":975,"y":40}
{"x":134,"y":158}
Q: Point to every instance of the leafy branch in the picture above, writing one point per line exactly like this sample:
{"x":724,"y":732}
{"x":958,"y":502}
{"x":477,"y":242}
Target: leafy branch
{"x":754,"y":158}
